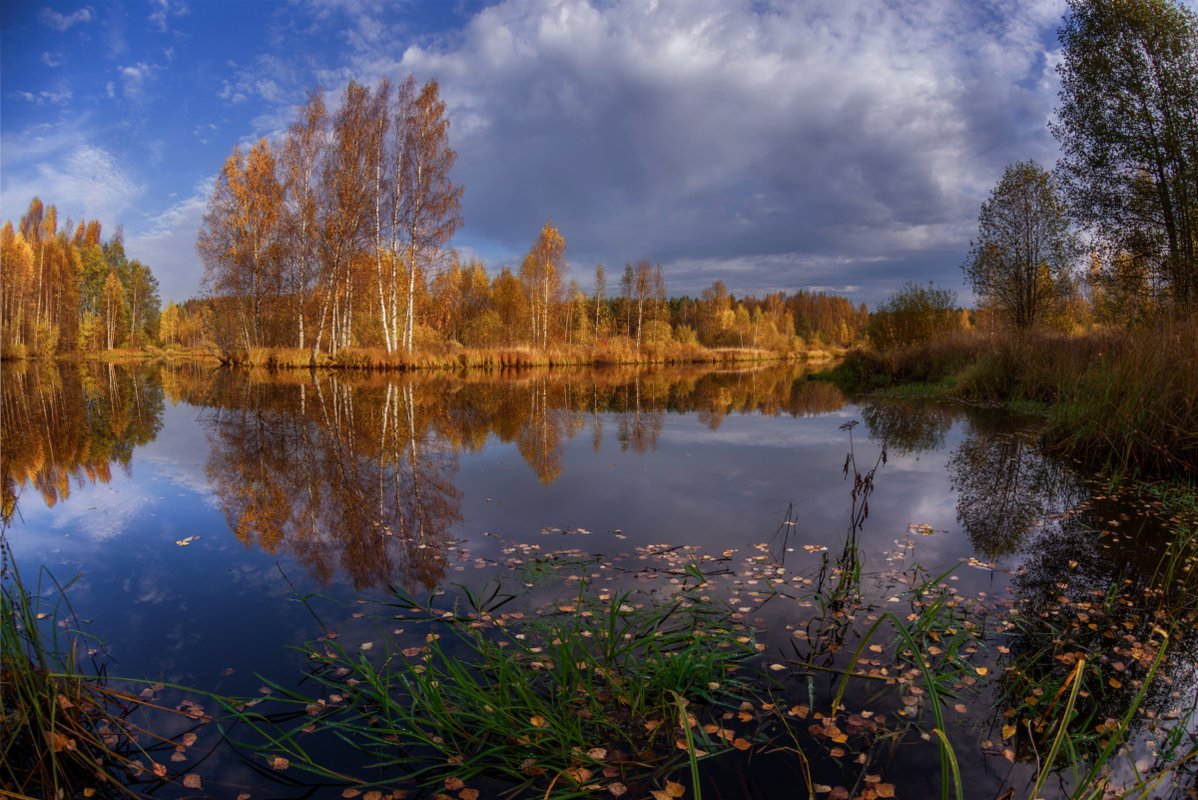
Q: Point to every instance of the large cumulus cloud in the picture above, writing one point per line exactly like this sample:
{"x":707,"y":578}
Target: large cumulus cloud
{"x":828,"y":143}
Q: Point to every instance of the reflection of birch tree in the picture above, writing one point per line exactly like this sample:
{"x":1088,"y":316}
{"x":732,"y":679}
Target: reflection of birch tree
{"x":338,"y":475}
{"x":638,"y":428}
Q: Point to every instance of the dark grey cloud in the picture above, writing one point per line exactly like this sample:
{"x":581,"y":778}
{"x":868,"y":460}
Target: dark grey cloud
{"x":802,"y":144}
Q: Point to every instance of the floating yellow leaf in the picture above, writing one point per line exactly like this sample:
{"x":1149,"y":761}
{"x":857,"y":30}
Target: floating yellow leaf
{"x":1008,"y":731}
{"x":674,"y":789}
{"x":468,"y":794}
{"x":537,"y":721}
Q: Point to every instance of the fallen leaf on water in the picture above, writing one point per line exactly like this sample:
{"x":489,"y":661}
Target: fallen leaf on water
{"x":468,"y":794}
{"x":454,"y":783}
{"x":189,"y":739}
{"x":741,"y":744}
{"x":192,"y":781}
{"x":885,"y":789}
{"x":981,"y":670}
{"x":674,"y":789}
{"x":348,"y":793}
{"x":617,"y":789}
{"x":159,"y":769}
{"x":366,"y":645}
{"x":537,"y":721}
{"x":279,"y":763}
{"x":597,"y":753}
{"x":1008,"y":731}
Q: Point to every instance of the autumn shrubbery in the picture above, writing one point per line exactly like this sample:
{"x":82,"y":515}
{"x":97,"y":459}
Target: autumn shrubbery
{"x":1124,"y":398}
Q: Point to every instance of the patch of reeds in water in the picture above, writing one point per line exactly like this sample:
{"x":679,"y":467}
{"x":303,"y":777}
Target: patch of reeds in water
{"x":607,"y":691}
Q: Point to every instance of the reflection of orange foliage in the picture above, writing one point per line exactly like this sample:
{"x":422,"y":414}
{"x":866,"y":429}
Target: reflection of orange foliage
{"x":66,"y":423}
{"x":356,"y":470}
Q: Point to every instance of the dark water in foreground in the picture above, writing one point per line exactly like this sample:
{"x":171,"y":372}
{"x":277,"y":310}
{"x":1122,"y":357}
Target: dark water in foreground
{"x":197,"y":506}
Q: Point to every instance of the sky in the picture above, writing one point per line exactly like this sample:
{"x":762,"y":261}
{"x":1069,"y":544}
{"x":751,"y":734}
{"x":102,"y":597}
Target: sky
{"x":828,"y":145}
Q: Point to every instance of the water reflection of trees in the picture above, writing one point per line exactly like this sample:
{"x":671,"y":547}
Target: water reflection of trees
{"x":342,"y":476}
{"x":1006,"y":487}
{"x":1091,"y":589}
{"x":908,"y":427}
{"x":69,"y":424}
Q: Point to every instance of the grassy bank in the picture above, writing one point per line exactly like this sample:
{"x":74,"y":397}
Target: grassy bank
{"x":618,"y":351}
{"x":1119,"y":399}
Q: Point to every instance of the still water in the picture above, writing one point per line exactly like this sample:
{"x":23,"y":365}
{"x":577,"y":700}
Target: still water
{"x":196,"y":507}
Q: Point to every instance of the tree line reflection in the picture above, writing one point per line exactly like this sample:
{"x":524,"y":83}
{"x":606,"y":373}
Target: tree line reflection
{"x":1092,"y":579}
{"x":69,"y":424}
{"x":356,"y":472}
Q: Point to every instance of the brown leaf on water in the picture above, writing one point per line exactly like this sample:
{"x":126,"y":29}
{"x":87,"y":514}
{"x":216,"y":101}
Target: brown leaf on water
{"x":373,"y":794}
{"x":579,"y":775}
{"x":454,"y":783}
{"x":178,"y":756}
{"x":89,"y":792}
{"x":279,"y":763}
{"x":188,"y":739}
{"x":159,"y":769}
{"x":537,"y":721}
{"x":468,"y":794}
{"x":597,"y":753}
{"x":741,"y":744}
{"x":885,"y":789}
{"x":192,"y":781}
{"x":350,"y":793}
{"x":674,"y":789}
{"x":617,"y":789}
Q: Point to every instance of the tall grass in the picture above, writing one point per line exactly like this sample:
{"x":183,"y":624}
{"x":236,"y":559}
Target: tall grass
{"x":64,"y":731}
{"x":580,"y":699}
{"x":617,"y":350}
{"x":1126,"y":400}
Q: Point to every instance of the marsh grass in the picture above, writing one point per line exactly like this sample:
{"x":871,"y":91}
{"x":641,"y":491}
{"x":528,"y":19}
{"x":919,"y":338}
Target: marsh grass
{"x":586,"y":696}
{"x":1122,"y":399}
{"x":441,"y":356}
{"x":65,"y":731}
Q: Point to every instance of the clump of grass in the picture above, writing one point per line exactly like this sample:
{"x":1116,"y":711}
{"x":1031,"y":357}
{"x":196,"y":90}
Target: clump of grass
{"x":64,"y":731}
{"x":584,"y":697}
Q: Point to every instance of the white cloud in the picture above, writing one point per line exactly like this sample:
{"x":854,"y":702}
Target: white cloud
{"x":84,"y":181}
{"x":163,"y":10}
{"x":63,"y":22}
{"x":168,"y":247}
{"x":134,"y":78}
{"x":52,"y":59}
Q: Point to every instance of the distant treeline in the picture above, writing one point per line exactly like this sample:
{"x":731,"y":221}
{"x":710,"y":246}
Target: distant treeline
{"x":63,"y":289}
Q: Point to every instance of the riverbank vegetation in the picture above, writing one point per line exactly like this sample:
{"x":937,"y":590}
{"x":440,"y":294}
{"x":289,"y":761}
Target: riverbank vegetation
{"x":1107,"y":353}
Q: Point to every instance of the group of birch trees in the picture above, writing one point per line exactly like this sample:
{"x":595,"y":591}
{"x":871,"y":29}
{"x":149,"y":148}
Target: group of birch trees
{"x":324,"y":241}
{"x":62,"y":288}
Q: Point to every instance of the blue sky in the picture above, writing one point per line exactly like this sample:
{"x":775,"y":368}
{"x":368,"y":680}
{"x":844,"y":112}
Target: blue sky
{"x":842,"y":145}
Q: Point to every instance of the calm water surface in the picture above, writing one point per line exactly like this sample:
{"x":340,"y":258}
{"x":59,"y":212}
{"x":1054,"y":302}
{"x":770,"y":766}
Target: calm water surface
{"x":196,"y":506}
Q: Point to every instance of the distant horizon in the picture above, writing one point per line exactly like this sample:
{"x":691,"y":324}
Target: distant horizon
{"x":842,"y":148}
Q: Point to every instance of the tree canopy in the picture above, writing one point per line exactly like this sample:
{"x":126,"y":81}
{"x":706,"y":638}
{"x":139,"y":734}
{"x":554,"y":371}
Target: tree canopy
{"x":1128,"y":128}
